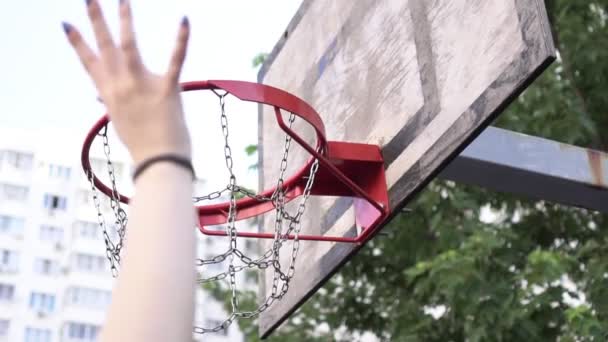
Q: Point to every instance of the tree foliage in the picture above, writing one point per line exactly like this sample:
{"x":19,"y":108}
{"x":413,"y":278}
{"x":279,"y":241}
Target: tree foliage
{"x":536,"y":271}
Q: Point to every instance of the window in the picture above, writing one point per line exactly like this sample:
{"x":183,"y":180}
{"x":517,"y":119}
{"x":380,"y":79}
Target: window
{"x":88,"y":298}
{"x":7,"y":292}
{"x":100,"y":167}
{"x":92,"y":230}
{"x":46,"y":266}
{"x":85,"y":198}
{"x":9,"y":261}
{"x":59,"y":172}
{"x":4,"y":325}
{"x":12,"y":192}
{"x":82,"y":331}
{"x":55,"y":202}
{"x":11,"y":225}
{"x":212,"y":323}
{"x":16,"y":160}
{"x":37,"y":335}
{"x":51,"y":233}
{"x":87,"y":230}
{"x":42,"y":302}
{"x":89,"y":263}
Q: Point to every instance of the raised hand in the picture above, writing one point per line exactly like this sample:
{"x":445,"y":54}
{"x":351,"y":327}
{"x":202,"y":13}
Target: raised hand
{"x":145,"y":108}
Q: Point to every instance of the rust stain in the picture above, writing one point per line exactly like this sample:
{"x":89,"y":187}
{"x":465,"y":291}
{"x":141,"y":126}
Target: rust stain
{"x":595,"y":163}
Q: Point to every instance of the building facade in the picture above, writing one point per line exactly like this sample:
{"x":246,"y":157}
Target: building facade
{"x":55,"y":280}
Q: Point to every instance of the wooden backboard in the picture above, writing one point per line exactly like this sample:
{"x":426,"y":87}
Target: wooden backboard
{"x":420,"y":78}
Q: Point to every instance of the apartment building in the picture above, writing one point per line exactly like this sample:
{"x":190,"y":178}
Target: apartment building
{"x":55,"y":281}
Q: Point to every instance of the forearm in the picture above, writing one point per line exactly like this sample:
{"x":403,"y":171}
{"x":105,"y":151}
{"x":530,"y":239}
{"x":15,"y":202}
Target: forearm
{"x":154,"y":296}
{"x":157,"y":279}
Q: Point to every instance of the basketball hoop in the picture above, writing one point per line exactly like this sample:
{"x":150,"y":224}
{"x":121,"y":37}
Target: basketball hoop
{"x":334,"y":168}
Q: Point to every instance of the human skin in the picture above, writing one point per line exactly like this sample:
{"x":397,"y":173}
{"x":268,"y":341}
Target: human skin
{"x":153,"y":299}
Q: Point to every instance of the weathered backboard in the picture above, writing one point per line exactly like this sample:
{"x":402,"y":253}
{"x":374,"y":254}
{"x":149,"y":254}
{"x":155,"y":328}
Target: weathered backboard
{"x":420,"y":78}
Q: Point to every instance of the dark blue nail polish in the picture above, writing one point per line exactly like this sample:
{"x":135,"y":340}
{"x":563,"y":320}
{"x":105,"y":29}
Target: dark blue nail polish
{"x":88,"y":2}
{"x":185,"y":21}
{"x":66,"y":27}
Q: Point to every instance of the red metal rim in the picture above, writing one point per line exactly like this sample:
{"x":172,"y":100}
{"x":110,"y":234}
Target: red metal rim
{"x":245,"y":91}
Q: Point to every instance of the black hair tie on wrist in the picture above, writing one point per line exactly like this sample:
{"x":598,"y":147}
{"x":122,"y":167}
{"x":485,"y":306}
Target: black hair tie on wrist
{"x":186,"y":163}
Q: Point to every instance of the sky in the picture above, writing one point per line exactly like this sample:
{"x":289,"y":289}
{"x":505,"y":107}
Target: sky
{"x":45,"y":93}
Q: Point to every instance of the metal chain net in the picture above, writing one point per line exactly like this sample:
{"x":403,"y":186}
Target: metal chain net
{"x":285,"y":224}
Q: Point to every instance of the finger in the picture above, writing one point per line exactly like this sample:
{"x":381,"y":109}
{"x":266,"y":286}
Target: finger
{"x":179,"y":53}
{"x":85,"y":54}
{"x":100,"y":28}
{"x":127,"y":37}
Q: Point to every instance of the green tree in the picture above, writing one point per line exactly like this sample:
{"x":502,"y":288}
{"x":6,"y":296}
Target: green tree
{"x":537,"y":272}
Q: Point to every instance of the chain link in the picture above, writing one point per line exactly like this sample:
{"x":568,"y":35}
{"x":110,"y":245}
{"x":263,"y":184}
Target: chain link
{"x":210,"y":196}
{"x":285,"y":225}
{"x":120,"y":216}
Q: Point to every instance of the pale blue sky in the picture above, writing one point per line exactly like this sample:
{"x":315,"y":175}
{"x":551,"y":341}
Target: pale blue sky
{"x":44,"y":88}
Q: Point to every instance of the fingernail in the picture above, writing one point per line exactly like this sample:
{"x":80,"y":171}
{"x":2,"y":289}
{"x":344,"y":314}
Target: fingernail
{"x":185,"y":21}
{"x":66,"y":27}
{"x":88,"y":2}
{"x":121,"y":1}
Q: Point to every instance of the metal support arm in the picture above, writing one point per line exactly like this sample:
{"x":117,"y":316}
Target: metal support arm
{"x":539,"y":168}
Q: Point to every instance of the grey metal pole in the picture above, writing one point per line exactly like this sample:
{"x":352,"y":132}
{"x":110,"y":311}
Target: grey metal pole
{"x":539,"y":168}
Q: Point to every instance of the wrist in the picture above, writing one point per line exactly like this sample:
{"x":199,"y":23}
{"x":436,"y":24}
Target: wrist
{"x":142,"y":155}
{"x":175,"y":160}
